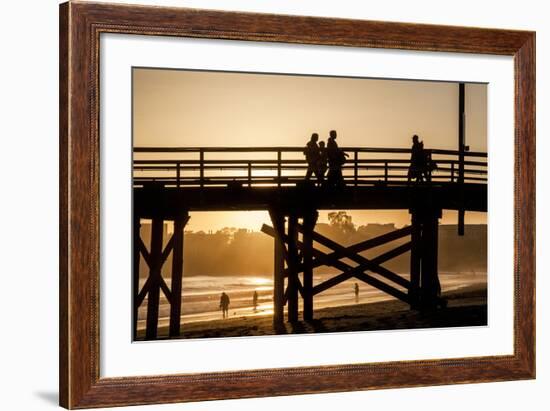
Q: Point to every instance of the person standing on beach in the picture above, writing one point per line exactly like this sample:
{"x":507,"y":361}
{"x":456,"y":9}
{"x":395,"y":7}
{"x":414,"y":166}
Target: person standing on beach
{"x":224,"y":305}
{"x":356,"y":289}
{"x":255,"y":300}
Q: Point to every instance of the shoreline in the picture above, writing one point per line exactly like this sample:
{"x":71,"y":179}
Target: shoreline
{"x":466,"y":307}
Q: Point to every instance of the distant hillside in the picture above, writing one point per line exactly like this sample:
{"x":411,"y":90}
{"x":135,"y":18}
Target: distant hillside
{"x":242,"y":252}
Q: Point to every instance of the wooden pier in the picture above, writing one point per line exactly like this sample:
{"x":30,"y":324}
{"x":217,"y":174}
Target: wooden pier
{"x":170,"y":183}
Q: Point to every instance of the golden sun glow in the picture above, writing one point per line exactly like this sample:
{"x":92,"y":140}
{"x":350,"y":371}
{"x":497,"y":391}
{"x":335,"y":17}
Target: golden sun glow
{"x":259,"y":281}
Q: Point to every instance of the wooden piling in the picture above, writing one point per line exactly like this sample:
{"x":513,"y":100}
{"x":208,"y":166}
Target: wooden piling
{"x":425,"y":288}
{"x":292,"y":288}
{"x":153,"y":297}
{"x":278,"y":271}
{"x":416,"y":253}
{"x":309,"y":224}
{"x":430,"y":277}
{"x":177,"y":275}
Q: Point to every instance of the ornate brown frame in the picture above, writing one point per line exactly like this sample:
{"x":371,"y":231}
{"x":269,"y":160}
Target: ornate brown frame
{"x":80,"y":28}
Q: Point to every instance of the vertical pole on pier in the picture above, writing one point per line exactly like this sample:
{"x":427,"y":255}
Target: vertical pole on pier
{"x":153,"y":296}
{"x":292,"y":288}
{"x":201,"y":168}
{"x":461,"y":149}
{"x":355,"y":166}
{"x":279,"y":267}
{"x":135,"y":283}
{"x":279,"y":166}
{"x":310,"y":218}
{"x":416,"y":254}
{"x":177,"y":275}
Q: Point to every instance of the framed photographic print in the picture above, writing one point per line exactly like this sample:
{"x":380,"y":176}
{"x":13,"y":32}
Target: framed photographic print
{"x":257,"y":205}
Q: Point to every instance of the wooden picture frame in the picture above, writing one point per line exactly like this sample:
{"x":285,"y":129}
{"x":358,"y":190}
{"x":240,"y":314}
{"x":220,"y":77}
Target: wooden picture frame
{"x":80,"y":27}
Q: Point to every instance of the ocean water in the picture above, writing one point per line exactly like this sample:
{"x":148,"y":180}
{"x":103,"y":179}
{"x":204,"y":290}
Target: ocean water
{"x":201,"y":295}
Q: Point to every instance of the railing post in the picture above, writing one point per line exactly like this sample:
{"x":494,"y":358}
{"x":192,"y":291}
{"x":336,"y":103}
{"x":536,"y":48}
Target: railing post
{"x":461,"y":149}
{"x":386,"y":171}
{"x":453,"y":172}
{"x":279,"y":165}
{"x":178,"y":171}
{"x":429,"y":168}
{"x":201,"y":168}
{"x":250,"y":174}
{"x":355,"y":168}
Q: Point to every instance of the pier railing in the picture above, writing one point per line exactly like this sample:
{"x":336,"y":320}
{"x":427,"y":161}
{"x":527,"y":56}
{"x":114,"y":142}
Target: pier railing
{"x":286,"y":166}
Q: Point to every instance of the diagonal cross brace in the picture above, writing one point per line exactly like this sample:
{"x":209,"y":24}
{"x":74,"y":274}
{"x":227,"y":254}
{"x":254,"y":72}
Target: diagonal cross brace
{"x":145,"y":289}
{"x":165,"y":253}
{"x":147,"y":257}
{"x":341,"y":252}
{"x":358,"y":271}
{"x":372,"y":265}
{"x":300,"y":289}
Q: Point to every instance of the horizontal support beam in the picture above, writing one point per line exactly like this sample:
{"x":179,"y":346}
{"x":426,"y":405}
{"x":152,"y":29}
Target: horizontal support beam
{"x":287,"y":149}
{"x":216,"y":164}
{"x":168,"y":202}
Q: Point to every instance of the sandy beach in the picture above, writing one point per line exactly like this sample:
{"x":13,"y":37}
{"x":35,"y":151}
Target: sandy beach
{"x":466,"y":307}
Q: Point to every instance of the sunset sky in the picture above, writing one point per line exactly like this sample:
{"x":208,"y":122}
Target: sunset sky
{"x":200,"y":109}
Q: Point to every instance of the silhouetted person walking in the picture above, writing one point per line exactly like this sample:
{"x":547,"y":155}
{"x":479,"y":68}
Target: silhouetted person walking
{"x":356,"y":290}
{"x":336,"y":159}
{"x":418,"y":161}
{"x":312,"y":157}
{"x":255,"y":300}
{"x":224,"y":304}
